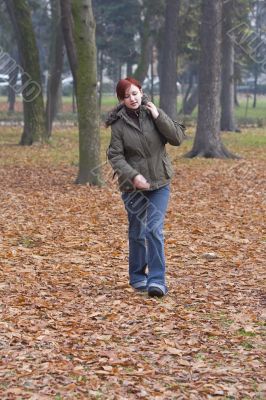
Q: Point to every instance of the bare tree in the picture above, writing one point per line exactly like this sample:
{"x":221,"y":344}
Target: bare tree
{"x":227,"y":93}
{"x":207,"y":141}
{"x":67,"y":27}
{"x":12,"y":81}
{"x":56,"y":65}
{"x":33,"y":104}
{"x":146,"y":42}
{"x":190,"y":100}
{"x":168,"y":73}
{"x":79,"y":35}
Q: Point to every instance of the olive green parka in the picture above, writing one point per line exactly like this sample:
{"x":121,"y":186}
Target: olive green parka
{"x":141,"y":149}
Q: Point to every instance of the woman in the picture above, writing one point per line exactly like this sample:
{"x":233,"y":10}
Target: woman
{"x":138,"y":156}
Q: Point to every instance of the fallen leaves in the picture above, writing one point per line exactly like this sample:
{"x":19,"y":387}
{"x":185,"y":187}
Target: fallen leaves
{"x":72,"y":328}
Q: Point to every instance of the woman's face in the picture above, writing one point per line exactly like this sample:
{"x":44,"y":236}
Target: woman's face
{"x":133,"y":97}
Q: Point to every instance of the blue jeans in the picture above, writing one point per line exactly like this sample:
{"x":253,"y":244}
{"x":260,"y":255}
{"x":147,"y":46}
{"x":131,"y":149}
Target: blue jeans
{"x":146,"y":211}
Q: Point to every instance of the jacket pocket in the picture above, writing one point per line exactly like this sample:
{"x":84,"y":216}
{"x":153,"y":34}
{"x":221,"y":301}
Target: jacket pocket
{"x":168,"y":171}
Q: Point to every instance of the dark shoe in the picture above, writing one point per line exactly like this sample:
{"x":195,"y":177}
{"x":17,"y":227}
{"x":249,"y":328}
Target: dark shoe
{"x":141,"y":289}
{"x":154,"y":291}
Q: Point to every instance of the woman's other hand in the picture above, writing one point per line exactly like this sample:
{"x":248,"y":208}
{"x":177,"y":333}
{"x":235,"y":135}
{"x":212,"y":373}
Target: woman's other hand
{"x":153,"y":109}
{"x":140,"y":182}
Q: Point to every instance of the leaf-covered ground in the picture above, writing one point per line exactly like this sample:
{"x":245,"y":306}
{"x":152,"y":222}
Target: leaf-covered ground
{"x":72,"y":328}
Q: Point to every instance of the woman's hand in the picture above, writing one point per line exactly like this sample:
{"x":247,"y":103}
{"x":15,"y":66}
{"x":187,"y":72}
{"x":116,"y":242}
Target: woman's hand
{"x":140,"y":182}
{"x":153,"y":109}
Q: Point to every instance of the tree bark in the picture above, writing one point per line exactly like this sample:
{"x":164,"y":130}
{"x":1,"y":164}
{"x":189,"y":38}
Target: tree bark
{"x":33,"y":104}
{"x":237,"y":79}
{"x":12,"y":81}
{"x":129,"y":68}
{"x":191,"y":102}
{"x":235,"y":96}
{"x":191,"y":75}
{"x":145,"y":50}
{"x":168,"y":76}
{"x":56,"y":66}
{"x":256,"y":67}
{"x":207,"y":141}
{"x":100,"y":69}
{"x":67,"y":27}
{"x":255,"y":85}
{"x":227,"y":93}
{"x":86,"y":86}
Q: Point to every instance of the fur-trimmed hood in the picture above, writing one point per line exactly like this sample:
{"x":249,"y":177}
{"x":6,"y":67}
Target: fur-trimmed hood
{"x":113,"y":115}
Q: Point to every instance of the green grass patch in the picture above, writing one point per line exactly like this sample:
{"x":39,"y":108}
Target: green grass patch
{"x":249,"y":141}
{"x":243,"y":332}
{"x":247,"y":345}
{"x":62,"y":148}
{"x":245,"y":116}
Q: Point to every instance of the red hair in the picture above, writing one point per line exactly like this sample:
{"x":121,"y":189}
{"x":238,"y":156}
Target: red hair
{"x":123,"y":85}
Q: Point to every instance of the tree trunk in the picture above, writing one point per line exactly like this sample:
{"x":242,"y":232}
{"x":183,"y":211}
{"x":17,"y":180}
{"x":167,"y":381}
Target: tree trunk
{"x":119,"y":71}
{"x":146,"y":46}
{"x":59,"y":103}
{"x":152,"y":75}
{"x":168,"y":76}
{"x":129,"y":68}
{"x":12,"y":81}
{"x":191,"y":102}
{"x":190,"y":86}
{"x":255,"y":86}
{"x":256,"y":67}
{"x":33,"y":104}
{"x":56,"y":66}
{"x":100,"y":91}
{"x":207,"y":141}
{"x":235,"y":96}
{"x":227,"y":93}
{"x":86,"y":86}
{"x":67,"y":27}
{"x":237,"y":79}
